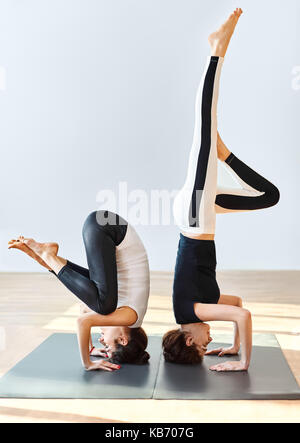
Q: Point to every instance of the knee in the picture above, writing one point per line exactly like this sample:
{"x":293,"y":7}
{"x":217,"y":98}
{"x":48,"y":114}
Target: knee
{"x":107,"y":302}
{"x":90,"y":223}
{"x":106,"y":310}
{"x":246,"y":315}
{"x":98,"y":219}
{"x":274,"y":196}
{"x":90,"y":220}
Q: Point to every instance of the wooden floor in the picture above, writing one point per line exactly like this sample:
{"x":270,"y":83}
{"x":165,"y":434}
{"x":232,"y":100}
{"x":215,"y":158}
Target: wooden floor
{"x":33,"y":306}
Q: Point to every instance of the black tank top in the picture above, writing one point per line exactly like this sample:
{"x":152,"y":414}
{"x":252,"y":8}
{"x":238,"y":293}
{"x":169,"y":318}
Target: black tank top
{"x":195,"y":278}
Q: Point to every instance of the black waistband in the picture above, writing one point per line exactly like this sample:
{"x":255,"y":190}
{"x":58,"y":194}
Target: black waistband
{"x":203,"y":251}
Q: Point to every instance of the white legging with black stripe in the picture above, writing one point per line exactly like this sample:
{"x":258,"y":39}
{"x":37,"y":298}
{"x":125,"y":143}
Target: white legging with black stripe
{"x":197,"y":203}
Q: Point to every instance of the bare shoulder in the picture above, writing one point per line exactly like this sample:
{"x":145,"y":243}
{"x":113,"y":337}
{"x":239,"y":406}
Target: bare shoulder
{"x":128,"y":314}
{"x":123,"y":316}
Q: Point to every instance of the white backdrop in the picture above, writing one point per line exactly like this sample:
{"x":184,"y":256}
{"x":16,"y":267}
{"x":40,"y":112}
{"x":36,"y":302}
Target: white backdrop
{"x":93,"y":93}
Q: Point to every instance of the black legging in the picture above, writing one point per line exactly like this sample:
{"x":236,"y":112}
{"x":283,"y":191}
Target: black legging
{"x":97,"y":286}
{"x":270,"y":196}
{"x":200,"y":198}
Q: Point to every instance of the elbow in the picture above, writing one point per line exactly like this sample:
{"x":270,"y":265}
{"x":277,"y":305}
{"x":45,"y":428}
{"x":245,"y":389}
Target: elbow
{"x":239,"y":302}
{"x":107,"y":302}
{"x":83,"y":321}
{"x":245,"y":315}
{"x":84,"y":309}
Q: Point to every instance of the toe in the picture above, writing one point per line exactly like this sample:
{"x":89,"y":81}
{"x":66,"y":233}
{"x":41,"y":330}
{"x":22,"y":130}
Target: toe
{"x":13,"y":244}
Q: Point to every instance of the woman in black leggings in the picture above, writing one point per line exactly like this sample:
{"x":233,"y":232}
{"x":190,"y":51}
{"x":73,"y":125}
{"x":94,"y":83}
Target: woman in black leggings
{"x":196,"y":294}
{"x":114,"y":289}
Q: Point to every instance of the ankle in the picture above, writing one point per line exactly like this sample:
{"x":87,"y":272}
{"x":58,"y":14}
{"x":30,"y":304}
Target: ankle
{"x":219,"y":50}
{"x":55,"y":263}
{"x":223,"y":155}
{"x":48,"y":256}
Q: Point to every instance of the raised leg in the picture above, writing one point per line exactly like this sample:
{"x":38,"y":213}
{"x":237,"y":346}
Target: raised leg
{"x":194,"y":206}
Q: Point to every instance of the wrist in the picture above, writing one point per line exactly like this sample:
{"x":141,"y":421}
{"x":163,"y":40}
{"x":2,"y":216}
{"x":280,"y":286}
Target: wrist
{"x":245,"y":364}
{"x":88,"y":364}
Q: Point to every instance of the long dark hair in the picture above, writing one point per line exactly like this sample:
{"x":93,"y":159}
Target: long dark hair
{"x":176,"y":350}
{"x":134,"y":352}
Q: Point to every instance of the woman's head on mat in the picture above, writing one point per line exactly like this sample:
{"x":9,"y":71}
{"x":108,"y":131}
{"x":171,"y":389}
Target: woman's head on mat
{"x":187,"y":344}
{"x":125,"y":345}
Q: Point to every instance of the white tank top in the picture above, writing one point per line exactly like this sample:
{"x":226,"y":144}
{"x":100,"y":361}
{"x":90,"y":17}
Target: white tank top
{"x":133,"y":275}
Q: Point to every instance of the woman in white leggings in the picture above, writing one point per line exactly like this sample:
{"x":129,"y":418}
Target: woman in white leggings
{"x":196,"y":294}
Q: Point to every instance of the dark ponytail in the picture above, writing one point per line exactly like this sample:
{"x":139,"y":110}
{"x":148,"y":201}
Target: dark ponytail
{"x":134,"y":352}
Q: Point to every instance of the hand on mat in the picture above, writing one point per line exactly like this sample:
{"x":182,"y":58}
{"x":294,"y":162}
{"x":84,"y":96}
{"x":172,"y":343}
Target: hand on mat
{"x":223,"y":351}
{"x":102,"y":364}
{"x":99,"y":352}
{"x":229,"y":366}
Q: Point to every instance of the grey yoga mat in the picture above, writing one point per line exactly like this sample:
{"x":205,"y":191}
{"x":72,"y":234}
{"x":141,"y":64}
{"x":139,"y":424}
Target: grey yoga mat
{"x":268,"y":378}
{"x":54,"y":370}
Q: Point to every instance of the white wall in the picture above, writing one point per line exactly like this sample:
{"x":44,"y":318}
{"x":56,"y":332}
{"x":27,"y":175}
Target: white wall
{"x":98,"y":92}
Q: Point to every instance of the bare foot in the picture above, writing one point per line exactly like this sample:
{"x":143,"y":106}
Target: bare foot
{"x":17,"y":244}
{"x":43,"y":250}
{"x":220,"y":39}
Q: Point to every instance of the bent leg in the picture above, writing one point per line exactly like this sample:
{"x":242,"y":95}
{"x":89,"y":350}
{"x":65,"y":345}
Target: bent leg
{"x":101,"y":257}
{"x":97,"y":286}
{"x":194,"y":206}
{"x":81,"y":286}
{"x":256,"y":192}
